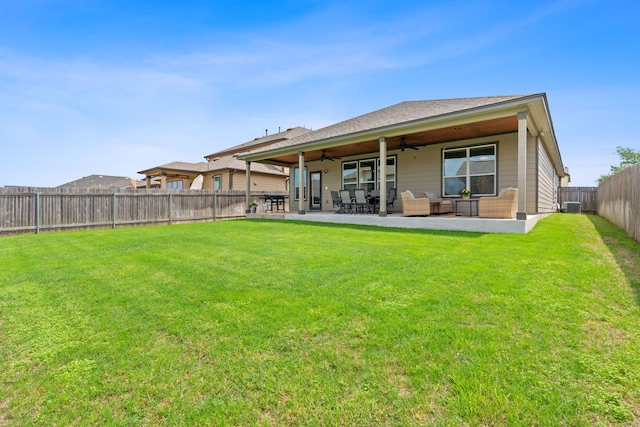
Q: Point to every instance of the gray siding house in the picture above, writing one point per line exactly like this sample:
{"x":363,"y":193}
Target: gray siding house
{"x":440,"y":146}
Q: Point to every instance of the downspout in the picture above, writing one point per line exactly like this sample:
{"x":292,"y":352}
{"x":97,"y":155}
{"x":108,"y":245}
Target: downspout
{"x":247,"y":201}
{"x":301,"y":193}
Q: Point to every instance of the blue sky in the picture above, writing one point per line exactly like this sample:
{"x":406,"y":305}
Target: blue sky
{"x":116,"y":86}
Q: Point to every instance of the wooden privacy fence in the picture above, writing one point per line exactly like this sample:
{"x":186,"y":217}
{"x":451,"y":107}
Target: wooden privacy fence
{"x":587,"y":196}
{"x":619,"y":200}
{"x":39,"y":210}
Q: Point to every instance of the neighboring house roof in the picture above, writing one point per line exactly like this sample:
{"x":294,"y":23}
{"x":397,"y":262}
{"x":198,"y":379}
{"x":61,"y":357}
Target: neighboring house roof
{"x":226,"y":159}
{"x":99,"y":181}
{"x":261,"y":141}
{"x":231,"y":162}
{"x":187,"y":167}
{"x":228,"y":162}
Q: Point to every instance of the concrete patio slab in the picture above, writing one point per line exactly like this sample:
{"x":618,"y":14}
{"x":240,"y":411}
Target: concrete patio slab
{"x":435,"y":222}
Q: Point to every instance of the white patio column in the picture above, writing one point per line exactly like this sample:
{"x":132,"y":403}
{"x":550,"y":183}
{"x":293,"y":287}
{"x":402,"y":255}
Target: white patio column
{"x":383,"y":176}
{"x":247,"y":199}
{"x":301,"y":210}
{"x":522,"y":165}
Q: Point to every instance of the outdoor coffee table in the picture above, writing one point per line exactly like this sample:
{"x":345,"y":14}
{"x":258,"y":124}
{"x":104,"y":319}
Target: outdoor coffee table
{"x":471,"y":202}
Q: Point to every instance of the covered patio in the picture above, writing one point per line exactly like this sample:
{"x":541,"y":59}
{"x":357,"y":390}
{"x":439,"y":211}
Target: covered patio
{"x":486,"y":144}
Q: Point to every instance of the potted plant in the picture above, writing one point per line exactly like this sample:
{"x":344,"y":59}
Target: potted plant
{"x":253,"y":206}
{"x":465,"y":193}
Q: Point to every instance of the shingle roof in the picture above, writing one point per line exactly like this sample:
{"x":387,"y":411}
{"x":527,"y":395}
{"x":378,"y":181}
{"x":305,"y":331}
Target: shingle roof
{"x":246,"y":146}
{"x":230,"y":162}
{"x":185,"y":166}
{"x":227,"y":162}
{"x":403,"y":112}
{"x":99,"y":181}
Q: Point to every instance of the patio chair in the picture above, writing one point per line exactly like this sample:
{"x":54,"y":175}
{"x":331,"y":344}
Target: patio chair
{"x":412,"y":206}
{"x":361,"y":204}
{"x":345,"y":201}
{"x":335,"y":199}
{"x":505,"y":205}
{"x":445,"y":205}
{"x":391,"y":197}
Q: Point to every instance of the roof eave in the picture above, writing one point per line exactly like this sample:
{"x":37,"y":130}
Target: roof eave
{"x":485,"y":112}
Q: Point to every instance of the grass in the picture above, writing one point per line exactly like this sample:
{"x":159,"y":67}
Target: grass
{"x":285,"y":323}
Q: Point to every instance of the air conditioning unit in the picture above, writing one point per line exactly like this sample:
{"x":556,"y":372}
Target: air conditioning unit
{"x":571,"y":207}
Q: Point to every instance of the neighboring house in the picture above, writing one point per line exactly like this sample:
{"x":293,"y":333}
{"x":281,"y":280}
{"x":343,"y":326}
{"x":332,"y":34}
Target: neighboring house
{"x":101,"y":182}
{"x":223,"y":171}
{"x":260,"y":142}
{"x":484,"y":144}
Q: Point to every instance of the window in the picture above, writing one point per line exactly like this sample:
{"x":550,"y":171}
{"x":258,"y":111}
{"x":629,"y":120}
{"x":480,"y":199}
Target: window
{"x":349,"y":175}
{"x":175,"y":185}
{"x":366,"y":174}
{"x":296,"y":180}
{"x":472,"y":167}
{"x":217,"y":182}
{"x":391,"y":172}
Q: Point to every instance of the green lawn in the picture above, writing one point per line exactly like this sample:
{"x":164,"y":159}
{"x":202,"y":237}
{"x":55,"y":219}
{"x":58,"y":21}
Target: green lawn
{"x":285,"y":323}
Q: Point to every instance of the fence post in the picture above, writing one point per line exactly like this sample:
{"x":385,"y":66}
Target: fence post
{"x":170,"y":207}
{"x":215,"y":205}
{"x":113,"y":210}
{"x":37,"y":212}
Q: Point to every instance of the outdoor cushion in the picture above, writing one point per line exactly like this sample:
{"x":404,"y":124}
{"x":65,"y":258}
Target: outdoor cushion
{"x":504,"y":190}
{"x":430,"y":195}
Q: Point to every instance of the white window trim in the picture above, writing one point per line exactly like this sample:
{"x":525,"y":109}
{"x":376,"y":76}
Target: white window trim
{"x":468,"y":175}
{"x":376,"y":181}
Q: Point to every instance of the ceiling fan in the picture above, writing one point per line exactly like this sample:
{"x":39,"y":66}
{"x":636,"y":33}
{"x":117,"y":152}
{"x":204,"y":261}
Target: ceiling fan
{"x":403,"y":145}
{"x":325,"y":157}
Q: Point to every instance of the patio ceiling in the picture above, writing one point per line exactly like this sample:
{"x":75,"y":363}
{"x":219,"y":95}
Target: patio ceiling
{"x":456,"y":132}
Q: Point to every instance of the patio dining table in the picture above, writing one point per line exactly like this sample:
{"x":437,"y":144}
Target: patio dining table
{"x":373,"y":202}
{"x":274,"y":199}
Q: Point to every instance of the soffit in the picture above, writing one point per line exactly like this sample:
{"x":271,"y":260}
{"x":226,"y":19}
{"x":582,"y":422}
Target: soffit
{"x":453,"y":132}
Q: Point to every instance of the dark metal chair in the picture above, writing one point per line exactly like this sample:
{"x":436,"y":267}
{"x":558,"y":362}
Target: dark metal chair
{"x":345,"y":201}
{"x":335,"y":199}
{"x":361,"y":203}
{"x":391,"y":197}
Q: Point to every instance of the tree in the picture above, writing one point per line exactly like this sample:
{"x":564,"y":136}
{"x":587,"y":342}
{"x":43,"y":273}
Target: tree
{"x":628,"y":157}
